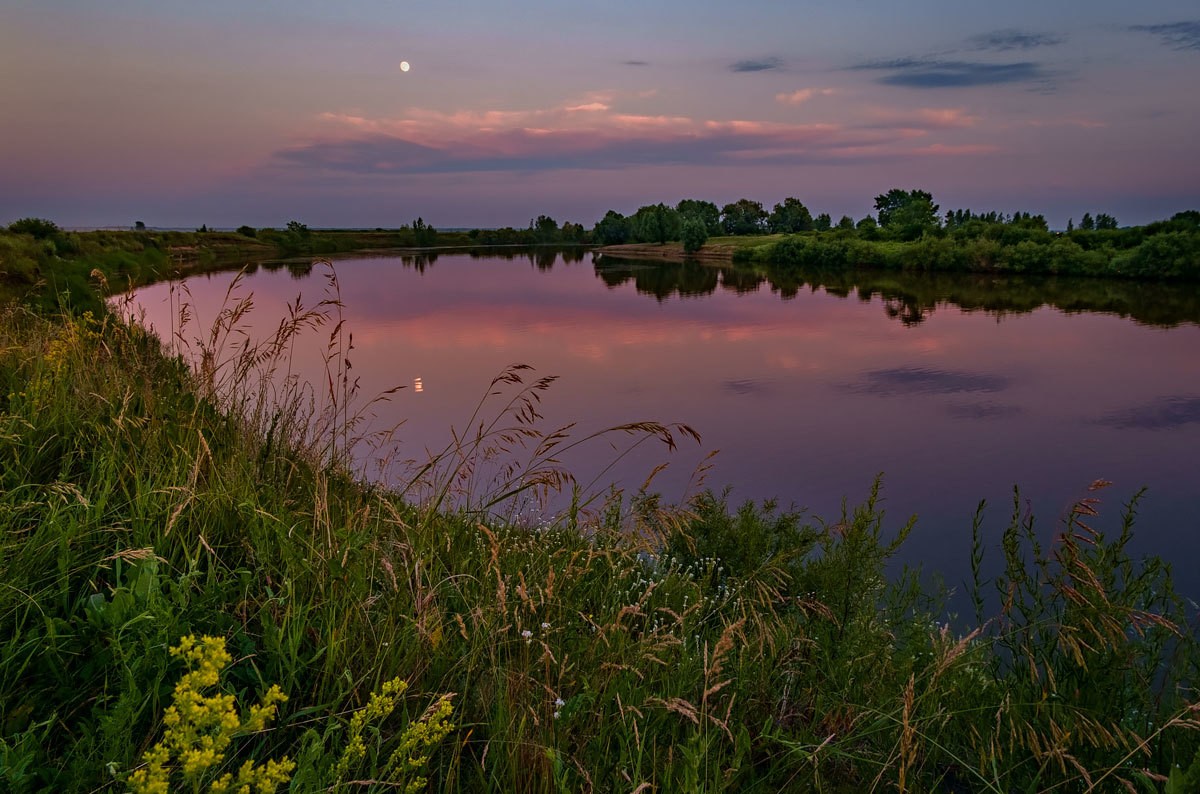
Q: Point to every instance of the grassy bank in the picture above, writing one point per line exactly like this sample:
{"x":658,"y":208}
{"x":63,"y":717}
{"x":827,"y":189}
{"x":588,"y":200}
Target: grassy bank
{"x":632,"y":647}
{"x":51,"y":267}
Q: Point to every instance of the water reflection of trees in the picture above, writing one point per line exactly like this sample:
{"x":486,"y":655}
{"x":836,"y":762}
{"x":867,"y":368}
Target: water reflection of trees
{"x":682,"y":279}
{"x":911,"y":298}
{"x":542,"y":257}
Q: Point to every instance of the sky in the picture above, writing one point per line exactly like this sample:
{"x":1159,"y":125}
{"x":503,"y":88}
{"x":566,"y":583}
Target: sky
{"x":228,"y":113}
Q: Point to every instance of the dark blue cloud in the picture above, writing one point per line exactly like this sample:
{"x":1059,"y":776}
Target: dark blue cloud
{"x":921,"y":380}
{"x":1012,"y":39}
{"x":760,"y":65}
{"x":1176,"y":35}
{"x":923,"y":73}
{"x":1165,"y":413}
{"x":636,"y":63}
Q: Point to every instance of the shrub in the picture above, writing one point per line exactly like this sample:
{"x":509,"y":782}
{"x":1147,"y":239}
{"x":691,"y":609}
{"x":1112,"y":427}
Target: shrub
{"x":38,"y":228}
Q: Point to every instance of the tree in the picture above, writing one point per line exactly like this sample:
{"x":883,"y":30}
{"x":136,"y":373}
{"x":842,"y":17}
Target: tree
{"x":693,"y":233}
{"x":867,"y":228}
{"x":823,"y":223}
{"x":1105,"y":221}
{"x":545,"y":229}
{"x":743,"y":217}
{"x":655,"y":223}
{"x":572,"y":232}
{"x":247,"y":231}
{"x":704,"y":211}
{"x":907,"y":214}
{"x":1087,"y":223}
{"x":139,"y":226}
{"x":424,"y":236}
{"x":613,"y":229}
{"x":846,"y":222}
{"x":789,"y":217}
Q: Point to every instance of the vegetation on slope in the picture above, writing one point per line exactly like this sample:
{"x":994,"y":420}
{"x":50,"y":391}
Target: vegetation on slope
{"x":177,"y":543}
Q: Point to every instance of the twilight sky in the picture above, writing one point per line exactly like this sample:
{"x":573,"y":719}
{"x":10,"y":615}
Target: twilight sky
{"x":224,"y":113}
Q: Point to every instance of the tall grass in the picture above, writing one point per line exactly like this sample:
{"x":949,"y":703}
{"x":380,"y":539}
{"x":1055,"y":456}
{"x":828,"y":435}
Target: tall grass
{"x":630,"y":646}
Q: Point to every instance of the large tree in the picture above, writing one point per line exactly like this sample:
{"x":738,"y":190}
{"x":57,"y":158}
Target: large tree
{"x":907,"y":214}
{"x":545,"y":229}
{"x":704,"y":211}
{"x":612,"y":229}
{"x":743,"y":217}
{"x":790,"y":217}
{"x":655,"y":223}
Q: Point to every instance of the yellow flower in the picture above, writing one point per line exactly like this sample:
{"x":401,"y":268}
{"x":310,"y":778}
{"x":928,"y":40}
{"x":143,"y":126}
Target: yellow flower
{"x":200,"y":727}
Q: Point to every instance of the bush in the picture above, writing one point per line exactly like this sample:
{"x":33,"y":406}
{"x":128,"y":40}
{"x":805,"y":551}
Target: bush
{"x":1173,"y":255}
{"x":38,"y":228}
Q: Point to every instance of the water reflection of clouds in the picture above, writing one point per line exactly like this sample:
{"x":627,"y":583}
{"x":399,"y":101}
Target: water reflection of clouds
{"x":923,"y":380}
{"x":1164,"y":413}
{"x":744,"y":386}
{"x":983,"y":410}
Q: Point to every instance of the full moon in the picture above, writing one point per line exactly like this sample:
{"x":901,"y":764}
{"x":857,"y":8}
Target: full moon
{"x":404,"y":66}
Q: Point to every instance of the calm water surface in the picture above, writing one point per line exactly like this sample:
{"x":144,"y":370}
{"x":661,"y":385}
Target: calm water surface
{"x":808,"y":392}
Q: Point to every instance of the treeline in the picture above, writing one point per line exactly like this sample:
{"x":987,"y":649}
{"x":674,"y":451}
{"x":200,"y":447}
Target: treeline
{"x":909,"y":232}
{"x":692,"y":221}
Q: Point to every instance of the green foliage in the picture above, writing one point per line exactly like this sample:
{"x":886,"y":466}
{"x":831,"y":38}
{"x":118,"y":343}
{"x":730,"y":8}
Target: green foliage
{"x":1173,"y":255}
{"x":789,"y":217}
{"x":247,"y":231}
{"x":743,"y":217}
{"x":693,"y":234}
{"x":655,"y":223}
{"x":613,"y":229}
{"x":37,"y":228}
{"x":704,"y":211}
{"x":907,"y":214}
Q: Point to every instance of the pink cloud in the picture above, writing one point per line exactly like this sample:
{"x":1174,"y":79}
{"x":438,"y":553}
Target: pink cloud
{"x":588,"y":133}
{"x":803,"y":95}
{"x":951,"y":150}
{"x":926,"y":118}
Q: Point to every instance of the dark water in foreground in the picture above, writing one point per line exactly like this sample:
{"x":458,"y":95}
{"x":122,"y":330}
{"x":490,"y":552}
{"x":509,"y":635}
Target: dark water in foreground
{"x":808,"y":392}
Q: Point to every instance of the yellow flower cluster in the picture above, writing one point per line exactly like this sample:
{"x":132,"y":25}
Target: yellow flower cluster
{"x":379,"y":706}
{"x":200,"y":727}
{"x":418,"y":739}
{"x":73,"y":334}
{"x":412,"y":752}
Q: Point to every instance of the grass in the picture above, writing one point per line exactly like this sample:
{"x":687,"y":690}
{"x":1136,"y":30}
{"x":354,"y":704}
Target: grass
{"x":425,"y":642}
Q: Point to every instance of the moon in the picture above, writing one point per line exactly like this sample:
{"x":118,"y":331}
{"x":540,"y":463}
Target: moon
{"x":404,"y":67}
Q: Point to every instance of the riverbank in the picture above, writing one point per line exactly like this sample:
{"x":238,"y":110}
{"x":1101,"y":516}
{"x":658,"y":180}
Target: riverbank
{"x":704,"y":646}
{"x":717,"y":251}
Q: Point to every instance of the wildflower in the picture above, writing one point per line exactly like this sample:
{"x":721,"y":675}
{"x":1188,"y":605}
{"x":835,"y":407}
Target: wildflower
{"x":528,"y":635}
{"x":545,"y":626}
{"x":559,"y":703}
{"x":200,"y":727}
